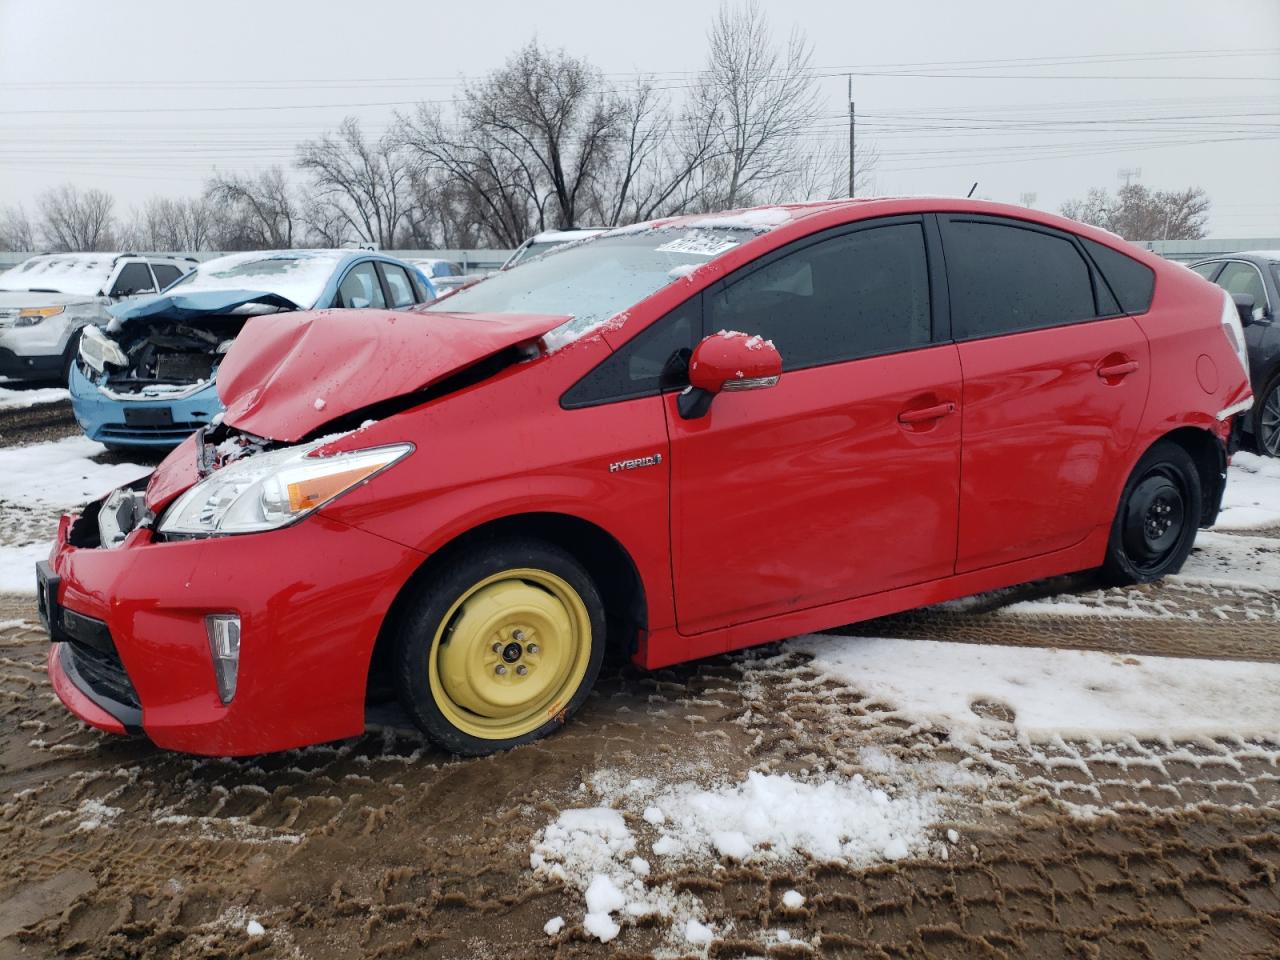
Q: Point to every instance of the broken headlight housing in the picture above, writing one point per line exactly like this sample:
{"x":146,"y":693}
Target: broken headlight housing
{"x":273,"y":489}
{"x":97,"y":350}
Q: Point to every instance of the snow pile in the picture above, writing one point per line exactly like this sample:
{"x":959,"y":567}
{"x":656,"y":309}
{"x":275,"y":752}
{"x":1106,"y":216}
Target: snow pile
{"x":1054,"y":693}
{"x":775,"y":817}
{"x":767,"y":818}
{"x":1252,"y":498}
{"x":18,"y":399}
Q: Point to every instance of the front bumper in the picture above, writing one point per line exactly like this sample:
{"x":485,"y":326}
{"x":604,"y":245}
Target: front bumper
{"x":311,"y":599}
{"x":139,"y":423}
{"x":21,"y":366}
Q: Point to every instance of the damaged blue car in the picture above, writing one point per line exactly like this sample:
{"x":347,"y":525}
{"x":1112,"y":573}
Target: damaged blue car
{"x":147,"y":379}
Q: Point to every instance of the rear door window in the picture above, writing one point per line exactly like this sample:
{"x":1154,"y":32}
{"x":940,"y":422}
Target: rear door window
{"x":165,"y":273}
{"x":134,"y":278}
{"x":1207,"y":270}
{"x":398,"y":285}
{"x":1006,"y":278}
{"x":360,"y":288}
{"x":854,"y":294}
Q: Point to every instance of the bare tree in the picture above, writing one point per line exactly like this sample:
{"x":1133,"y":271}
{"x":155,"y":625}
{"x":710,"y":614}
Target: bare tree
{"x":367,"y":181}
{"x":71,"y":220}
{"x":252,"y":212}
{"x":763,"y":100}
{"x":171,"y":224}
{"x":16,"y":230}
{"x":1138,"y":213}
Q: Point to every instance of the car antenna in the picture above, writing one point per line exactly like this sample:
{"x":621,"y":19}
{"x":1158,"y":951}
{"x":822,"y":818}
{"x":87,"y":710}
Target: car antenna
{"x":971,"y":189}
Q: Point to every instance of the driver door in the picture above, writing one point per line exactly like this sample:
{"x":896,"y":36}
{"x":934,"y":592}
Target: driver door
{"x":842,"y":480}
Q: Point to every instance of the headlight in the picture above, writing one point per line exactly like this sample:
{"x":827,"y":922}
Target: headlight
{"x":1234,"y":331}
{"x":97,"y":350}
{"x":30,"y":316}
{"x":274,"y":489}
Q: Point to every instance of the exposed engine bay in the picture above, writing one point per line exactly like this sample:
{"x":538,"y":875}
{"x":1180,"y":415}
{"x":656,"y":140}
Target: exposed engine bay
{"x":164,"y":355}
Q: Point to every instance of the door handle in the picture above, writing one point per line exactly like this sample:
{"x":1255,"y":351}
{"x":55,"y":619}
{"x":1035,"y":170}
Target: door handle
{"x":936,"y":412}
{"x":1113,"y":370}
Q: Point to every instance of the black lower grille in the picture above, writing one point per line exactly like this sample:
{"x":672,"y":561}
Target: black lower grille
{"x":176,"y":432}
{"x":101,"y":672}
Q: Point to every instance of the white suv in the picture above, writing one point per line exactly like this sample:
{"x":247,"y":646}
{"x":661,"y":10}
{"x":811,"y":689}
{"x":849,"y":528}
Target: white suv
{"x":46,"y":300}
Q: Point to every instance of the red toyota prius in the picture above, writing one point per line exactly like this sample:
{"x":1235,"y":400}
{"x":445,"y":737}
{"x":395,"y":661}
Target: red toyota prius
{"x":675,"y":439}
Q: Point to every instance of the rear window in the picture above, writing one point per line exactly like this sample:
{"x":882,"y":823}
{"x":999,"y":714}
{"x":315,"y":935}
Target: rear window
{"x":1132,"y":282}
{"x":1006,"y":279}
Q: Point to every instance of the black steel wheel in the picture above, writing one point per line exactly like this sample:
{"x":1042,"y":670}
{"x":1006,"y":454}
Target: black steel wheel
{"x":1156,"y":521}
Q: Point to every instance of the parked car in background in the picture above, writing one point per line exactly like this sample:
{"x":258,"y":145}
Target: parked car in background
{"x":1252,"y":279}
{"x":445,"y":274}
{"x":148,"y":378}
{"x":45,"y":301}
{"x":540,"y":243}
{"x":674,"y":441}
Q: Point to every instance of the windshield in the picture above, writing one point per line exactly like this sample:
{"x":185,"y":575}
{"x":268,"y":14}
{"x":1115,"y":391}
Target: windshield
{"x":595,"y":280}
{"x":79,"y":274}
{"x":297,"y":275}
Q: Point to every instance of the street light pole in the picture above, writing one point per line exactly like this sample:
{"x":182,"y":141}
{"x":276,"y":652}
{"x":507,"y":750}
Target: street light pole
{"x":852,"y":123}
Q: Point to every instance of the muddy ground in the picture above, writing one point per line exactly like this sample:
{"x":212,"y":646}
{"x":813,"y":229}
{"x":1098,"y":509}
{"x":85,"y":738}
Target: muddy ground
{"x":384,"y":847}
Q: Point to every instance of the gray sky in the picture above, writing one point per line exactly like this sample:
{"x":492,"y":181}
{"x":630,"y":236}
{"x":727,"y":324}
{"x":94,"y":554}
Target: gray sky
{"x":146,"y":98}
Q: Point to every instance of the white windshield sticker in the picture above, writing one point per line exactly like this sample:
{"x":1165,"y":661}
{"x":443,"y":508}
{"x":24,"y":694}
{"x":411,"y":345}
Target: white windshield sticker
{"x":701,"y":245}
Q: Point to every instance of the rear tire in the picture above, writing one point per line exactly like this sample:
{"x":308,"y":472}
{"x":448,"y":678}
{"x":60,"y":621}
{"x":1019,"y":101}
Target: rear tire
{"x":501,"y":648}
{"x":1156,"y":521}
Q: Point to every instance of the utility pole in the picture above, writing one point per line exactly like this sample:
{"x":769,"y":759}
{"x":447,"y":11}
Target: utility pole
{"x":852,"y":118}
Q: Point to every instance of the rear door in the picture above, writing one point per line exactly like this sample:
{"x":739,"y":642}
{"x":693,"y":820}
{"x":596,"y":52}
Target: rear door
{"x":1055,"y":384}
{"x":842,"y":480}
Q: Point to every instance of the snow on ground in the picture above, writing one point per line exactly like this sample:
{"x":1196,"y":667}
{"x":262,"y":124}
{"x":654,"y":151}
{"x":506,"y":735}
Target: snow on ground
{"x":11,"y":399}
{"x":1054,"y":693}
{"x":1233,"y":560}
{"x":17,"y":567}
{"x":61,"y":473}
{"x":1252,"y":499}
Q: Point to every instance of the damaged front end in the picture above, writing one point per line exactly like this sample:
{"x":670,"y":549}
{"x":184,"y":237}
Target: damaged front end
{"x":148,"y":378}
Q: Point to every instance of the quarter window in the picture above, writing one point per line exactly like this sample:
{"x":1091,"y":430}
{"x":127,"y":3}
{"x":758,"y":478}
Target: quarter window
{"x":1207,"y":270}
{"x":1132,"y":282}
{"x":360,"y":288}
{"x":852,"y":295}
{"x":1007,"y":279}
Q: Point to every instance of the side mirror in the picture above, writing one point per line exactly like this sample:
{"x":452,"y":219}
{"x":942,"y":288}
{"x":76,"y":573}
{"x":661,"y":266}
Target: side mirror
{"x":728,"y":360}
{"x":1245,"y":307}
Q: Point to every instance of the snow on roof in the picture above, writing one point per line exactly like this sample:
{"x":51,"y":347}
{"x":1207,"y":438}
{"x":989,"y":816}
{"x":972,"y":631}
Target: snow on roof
{"x":83,"y":274}
{"x":299,"y":275}
{"x":564,"y":236}
{"x":1272,"y":255}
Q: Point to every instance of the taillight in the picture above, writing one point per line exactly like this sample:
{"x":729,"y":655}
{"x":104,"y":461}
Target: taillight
{"x":1234,"y":331}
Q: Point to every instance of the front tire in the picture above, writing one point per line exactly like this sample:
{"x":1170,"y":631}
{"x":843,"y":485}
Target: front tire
{"x":501,"y":648}
{"x":1266,"y":419}
{"x":1155,"y":524}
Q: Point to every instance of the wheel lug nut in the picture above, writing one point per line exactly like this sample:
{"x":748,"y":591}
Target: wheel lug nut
{"x":517,"y":636}
{"x":500,"y":670}
{"x":532,"y":648}
{"x":522,"y":669}
{"x":497,"y":647}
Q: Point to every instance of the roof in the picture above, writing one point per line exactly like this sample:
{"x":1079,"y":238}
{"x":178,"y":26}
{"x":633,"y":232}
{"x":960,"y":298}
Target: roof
{"x":82,"y":274}
{"x":297,"y":275}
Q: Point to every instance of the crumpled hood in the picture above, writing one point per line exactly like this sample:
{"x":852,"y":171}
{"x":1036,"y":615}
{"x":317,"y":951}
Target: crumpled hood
{"x":186,"y":307}
{"x":285,"y":376}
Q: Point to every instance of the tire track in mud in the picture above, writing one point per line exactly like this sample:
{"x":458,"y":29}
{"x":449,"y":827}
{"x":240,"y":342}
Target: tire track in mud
{"x":381,"y":846}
